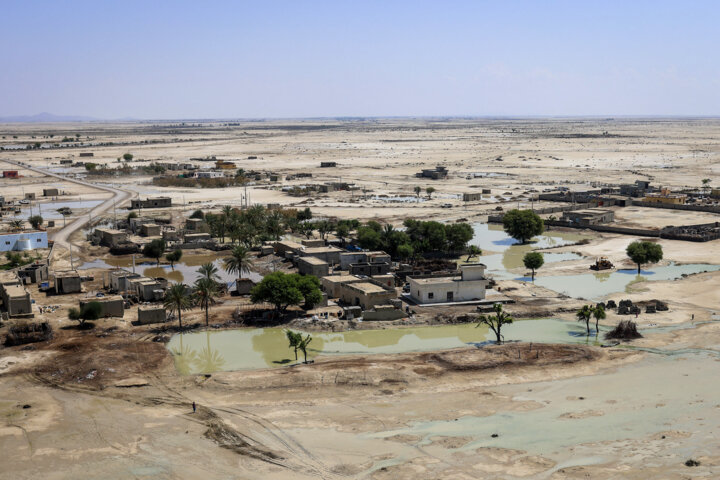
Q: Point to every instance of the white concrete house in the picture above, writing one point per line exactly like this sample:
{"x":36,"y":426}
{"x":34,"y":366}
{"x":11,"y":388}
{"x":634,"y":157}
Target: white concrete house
{"x":469,"y":285}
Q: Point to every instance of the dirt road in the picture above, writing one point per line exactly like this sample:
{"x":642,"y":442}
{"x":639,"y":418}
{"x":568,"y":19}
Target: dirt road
{"x":61,"y":237}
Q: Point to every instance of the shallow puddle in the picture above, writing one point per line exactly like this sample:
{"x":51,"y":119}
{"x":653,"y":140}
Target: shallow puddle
{"x":209,"y":351}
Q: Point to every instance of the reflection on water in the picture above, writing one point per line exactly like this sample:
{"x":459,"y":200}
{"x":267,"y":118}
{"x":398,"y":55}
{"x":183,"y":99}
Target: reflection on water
{"x":185,"y":271}
{"x":492,"y":238}
{"x":590,"y":286}
{"x":595,"y":286}
{"x":268,"y":347}
{"x":188,"y":360}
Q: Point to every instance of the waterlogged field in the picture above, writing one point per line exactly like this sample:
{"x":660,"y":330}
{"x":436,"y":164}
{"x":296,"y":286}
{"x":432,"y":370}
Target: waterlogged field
{"x":210,"y":351}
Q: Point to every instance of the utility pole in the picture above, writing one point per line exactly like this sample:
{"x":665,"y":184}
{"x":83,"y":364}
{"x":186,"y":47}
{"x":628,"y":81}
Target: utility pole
{"x":72,"y":267}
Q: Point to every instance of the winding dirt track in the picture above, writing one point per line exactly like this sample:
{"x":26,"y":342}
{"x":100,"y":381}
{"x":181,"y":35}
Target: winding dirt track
{"x":61,"y":236}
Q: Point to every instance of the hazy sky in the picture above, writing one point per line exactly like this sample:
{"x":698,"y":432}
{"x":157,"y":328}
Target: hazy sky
{"x":211,"y":59}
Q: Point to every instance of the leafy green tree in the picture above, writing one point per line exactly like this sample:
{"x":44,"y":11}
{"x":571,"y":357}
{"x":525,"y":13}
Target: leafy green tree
{"x":473,"y":251}
{"x":417,"y":191}
{"x":706,"y":184}
{"x":533,"y":261}
{"x":205,"y":293}
{"x":430,"y":191}
{"x":90,"y":167}
{"x":405,"y":251}
{"x":324,"y":227}
{"x":642,"y":252}
{"x":198,"y":214}
{"x":35,"y":221}
{"x":294,"y":339}
{"x":132,"y":215}
{"x":154,"y":249}
{"x":239,"y":261}
{"x":584,"y":315}
{"x":304,"y":215}
{"x":368,"y":238}
{"x":458,"y":235}
{"x":309,"y":286}
{"x":342,"y":230}
{"x":89,"y":311}
{"x":173,"y":257}
{"x":283,"y":290}
{"x":522,"y":225}
{"x":127,"y":157}
{"x":303,"y":345}
{"x":496,"y":321}
{"x":177,"y":300}
{"x":599,"y":314}
{"x":307,"y":229}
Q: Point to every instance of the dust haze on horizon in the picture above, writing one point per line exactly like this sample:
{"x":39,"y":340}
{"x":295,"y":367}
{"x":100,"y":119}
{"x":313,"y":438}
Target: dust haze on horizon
{"x":283,"y":60}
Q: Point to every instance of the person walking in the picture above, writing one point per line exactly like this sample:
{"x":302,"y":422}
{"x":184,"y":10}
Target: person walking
{"x":194,"y":407}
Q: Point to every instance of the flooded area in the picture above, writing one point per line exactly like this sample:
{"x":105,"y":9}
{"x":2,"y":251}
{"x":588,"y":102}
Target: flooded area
{"x":598,"y":285}
{"x":590,"y":286}
{"x":243,"y":349}
{"x":185,"y":270}
{"x":492,"y":238}
{"x":635,"y":401}
{"x":49,"y":210}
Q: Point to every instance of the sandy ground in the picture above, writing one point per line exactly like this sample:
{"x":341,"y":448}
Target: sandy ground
{"x":108,"y":403}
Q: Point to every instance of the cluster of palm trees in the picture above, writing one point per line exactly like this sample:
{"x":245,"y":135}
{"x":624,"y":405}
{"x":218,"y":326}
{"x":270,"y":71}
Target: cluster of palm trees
{"x":587,"y":312}
{"x":206,"y":289}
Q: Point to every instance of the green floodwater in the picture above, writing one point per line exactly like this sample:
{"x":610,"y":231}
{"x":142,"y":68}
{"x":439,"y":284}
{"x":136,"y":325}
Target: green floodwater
{"x":185,"y":270}
{"x":242,"y":349}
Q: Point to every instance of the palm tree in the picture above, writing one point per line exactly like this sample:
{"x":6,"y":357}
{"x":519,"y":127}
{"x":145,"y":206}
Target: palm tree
{"x":177,"y":300}
{"x":17,"y":225}
{"x":239,"y":262}
{"x":209,"y":271}
{"x":206,"y":291}
{"x":599,"y":314}
{"x":584,"y":314}
{"x":495,"y":322}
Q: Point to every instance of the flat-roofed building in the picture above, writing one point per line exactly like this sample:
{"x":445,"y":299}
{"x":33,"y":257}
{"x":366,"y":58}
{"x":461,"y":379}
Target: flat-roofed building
{"x":110,"y":237}
{"x":112,"y":306}
{"x":313,"y":266}
{"x":366,"y":294}
{"x":589,"y":216}
{"x":469,"y":285}
{"x":331,"y":284}
{"x":67,"y":282}
{"x":23,"y":241}
{"x":16,"y":299}
{"x":151,"y":202}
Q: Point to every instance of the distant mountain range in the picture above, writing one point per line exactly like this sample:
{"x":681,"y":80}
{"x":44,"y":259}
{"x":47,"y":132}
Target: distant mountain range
{"x":46,"y":118}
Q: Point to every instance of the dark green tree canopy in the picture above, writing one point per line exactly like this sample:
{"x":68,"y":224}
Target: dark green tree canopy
{"x":533,"y":261}
{"x":522,"y":225}
{"x":286,"y":289}
{"x":642,"y":252}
